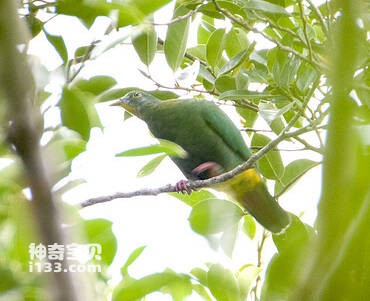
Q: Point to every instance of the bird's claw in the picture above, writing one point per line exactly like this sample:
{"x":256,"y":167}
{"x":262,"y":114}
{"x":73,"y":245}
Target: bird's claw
{"x":183,"y":187}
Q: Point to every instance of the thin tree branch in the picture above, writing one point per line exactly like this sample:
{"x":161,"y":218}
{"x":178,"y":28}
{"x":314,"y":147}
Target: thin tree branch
{"x":260,"y":246}
{"x":319,"y":17}
{"x":281,"y":46}
{"x":175,"y":20}
{"x":304,"y":21}
{"x":177,"y":87}
{"x":193,"y":185}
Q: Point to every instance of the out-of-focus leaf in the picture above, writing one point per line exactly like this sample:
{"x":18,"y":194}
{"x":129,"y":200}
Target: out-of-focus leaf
{"x":165,"y":146}
{"x":176,"y":39}
{"x":249,"y":226}
{"x":145,"y":44}
{"x":222,"y":283}
{"x":202,"y":292}
{"x":150,"y":167}
{"x":215,"y":47}
{"x":99,"y":231}
{"x":35,"y":25}
{"x":58,"y":44}
{"x":246,"y":277}
{"x":200,"y":275}
{"x":130,"y":260}
{"x":214,"y":215}
{"x":165,"y":281}
{"x":74,"y":113}
{"x":194,"y":198}
{"x":293,"y":171}
{"x":128,"y":12}
{"x":281,"y":275}
{"x":95,"y":85}
{"x":228,"y":240}
{"x":271,"y":164}
{"x":60,"y":153}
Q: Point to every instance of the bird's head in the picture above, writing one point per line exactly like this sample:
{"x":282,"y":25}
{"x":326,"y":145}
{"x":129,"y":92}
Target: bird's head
{"x":135,"y":102}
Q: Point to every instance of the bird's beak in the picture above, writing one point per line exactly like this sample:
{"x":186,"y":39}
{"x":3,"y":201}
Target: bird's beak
{"x":117,"y":103}
{"x":122,"y":102}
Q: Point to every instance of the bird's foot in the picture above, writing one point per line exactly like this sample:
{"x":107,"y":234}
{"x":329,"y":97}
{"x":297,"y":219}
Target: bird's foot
{"x":213,"y":169}
{"x":183,"y":187}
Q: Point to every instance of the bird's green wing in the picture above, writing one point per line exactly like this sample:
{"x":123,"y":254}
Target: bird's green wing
{"x":223,"y":127}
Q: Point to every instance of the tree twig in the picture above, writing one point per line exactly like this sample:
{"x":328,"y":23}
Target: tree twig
{"x":193,"y":185}
{"x":281,"y":46}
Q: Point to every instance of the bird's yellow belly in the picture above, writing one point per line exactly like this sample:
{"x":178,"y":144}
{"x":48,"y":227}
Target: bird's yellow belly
{"x":240,"y":184}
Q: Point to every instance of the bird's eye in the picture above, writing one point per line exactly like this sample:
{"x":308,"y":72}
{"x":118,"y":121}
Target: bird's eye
{"x":136,"y":94}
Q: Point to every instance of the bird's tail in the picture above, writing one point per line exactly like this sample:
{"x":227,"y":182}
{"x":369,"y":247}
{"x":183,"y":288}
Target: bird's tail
{"x":251,"y":192}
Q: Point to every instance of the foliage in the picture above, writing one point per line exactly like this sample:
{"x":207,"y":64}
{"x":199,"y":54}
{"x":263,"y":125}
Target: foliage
{"x":297,"y":66}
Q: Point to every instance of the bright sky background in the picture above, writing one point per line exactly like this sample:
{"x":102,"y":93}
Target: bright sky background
{"x":159,"y":222}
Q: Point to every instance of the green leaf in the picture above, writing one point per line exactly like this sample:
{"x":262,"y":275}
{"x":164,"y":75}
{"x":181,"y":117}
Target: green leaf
{"x":145,"y":44}
{"x":246,"y":277}
{"x":130,"y":260}
{"x":95,"y":85}
{"x":222,"y":283}
{"x":306,"y":75}
{"x":176,"y":39}
{"x":60,"y":153}
{"x":273,"y":116}
{"x":234,"y":62}
{"x":136,"y":289}
{"x":293,"y":171}
{"x":214,"y":215}
{"x":281,"y":274}
{"x":58,"y":44}
{"x":249,"y":226}
{"x":248,"y":116}
{"x":225,"y":83}
{"x":270,"y":165}
{"x":215,"y":47}
{"x":200,"y":275}
{"x":228,"y":239}
{"x":209,"y":9}
{"x":236,"y":41}
{"x":99,"y":231}
{"x":35,"y":25}
{"x":198,"y":51}
{"x":202,"y":292}
{"x":129,"y":12}
{"x":204,"y":30}
{"x":237,"y":94}
{"x":265,"y":7}
{"x":74,"y":114}
{"x":194,"y":198}
{"x":149,"y":168}
{"x":165,"y":146}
